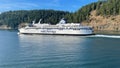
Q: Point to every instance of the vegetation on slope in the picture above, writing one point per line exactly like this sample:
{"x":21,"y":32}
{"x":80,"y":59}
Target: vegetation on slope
{"x":105,"y":8}
{"x":83,"y":13}
{"x":14,"y":18}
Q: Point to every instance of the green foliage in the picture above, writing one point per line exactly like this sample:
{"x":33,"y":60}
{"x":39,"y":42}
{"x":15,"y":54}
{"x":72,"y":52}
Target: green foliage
{"x":103,"y":7}
{"x":83,"y":13}
{"x":14,"y":18}
{"x":110,"y":7}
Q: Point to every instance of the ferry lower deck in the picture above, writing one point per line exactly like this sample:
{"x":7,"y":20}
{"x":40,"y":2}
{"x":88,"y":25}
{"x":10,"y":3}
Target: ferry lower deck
{"x":57,"y":34}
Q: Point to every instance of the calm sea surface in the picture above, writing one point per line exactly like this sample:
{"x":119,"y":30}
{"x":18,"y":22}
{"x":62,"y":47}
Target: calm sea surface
{"x":47,"y":51}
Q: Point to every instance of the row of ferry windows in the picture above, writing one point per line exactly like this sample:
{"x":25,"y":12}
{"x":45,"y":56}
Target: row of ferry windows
{"x":64,"y":28}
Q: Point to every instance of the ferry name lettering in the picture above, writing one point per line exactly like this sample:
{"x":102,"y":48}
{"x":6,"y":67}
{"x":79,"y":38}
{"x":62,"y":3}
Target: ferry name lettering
{"x":48,"y":31}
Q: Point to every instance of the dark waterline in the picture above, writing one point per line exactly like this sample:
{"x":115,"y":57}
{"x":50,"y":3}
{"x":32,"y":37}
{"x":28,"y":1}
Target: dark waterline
{"x":47,"y":51}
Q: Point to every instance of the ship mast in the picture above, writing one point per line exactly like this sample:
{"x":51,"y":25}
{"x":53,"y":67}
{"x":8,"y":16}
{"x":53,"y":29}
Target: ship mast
{"x":33,"y":22}
{"x":40,"y":21}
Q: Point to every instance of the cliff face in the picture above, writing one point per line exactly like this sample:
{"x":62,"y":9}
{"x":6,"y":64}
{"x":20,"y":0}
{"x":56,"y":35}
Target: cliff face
{"x":103,"y":22}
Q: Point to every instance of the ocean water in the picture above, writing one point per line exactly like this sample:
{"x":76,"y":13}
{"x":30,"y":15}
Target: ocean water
{"x":48,"y":51}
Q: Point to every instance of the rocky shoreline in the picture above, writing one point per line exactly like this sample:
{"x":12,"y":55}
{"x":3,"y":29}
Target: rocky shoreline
{"x":5,"y":27}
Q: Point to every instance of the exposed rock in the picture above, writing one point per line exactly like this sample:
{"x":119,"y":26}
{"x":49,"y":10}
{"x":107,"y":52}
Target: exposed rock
{"x":103,"y":23}
{"x":4,"y":27}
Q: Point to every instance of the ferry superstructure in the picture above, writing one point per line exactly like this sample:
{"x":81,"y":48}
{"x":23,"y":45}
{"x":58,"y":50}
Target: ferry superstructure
{"x":62,"y":28}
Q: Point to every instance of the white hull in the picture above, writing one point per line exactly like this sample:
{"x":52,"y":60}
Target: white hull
{"x":55,"y":32}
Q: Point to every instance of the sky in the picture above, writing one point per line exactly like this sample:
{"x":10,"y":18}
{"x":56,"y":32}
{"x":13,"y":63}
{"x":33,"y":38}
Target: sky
{"x":64,"y":5}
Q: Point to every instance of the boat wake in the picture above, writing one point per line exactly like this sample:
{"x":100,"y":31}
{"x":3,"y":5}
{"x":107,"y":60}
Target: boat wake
{"x":107,"y":36}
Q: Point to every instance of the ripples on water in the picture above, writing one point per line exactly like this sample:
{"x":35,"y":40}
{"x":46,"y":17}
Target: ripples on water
{"x":47,"y":51}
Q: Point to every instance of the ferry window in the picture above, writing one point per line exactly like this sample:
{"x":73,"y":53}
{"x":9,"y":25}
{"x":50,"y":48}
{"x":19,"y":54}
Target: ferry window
{"x":60,"y":28}
{"x":74,"y":29}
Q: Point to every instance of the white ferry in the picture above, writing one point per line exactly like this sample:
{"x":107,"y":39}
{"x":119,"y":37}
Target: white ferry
{"x":62,"y":28}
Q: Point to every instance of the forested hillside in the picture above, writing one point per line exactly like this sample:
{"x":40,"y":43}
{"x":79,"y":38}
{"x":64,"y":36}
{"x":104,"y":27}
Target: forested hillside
{"x":103,"y":7}
{"x":100,"y":13}
{"x":14,"y":18}
{"x":83,"y":13}
{"x":110,"y":7}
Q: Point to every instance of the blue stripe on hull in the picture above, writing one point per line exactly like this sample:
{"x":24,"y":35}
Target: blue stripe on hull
{"x":58,"y":34}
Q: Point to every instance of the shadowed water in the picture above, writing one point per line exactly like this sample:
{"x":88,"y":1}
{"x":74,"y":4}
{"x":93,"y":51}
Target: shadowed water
{"x":47,"y":51}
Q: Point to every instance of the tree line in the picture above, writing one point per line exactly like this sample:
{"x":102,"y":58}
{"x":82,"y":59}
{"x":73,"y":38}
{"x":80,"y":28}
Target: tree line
{"x":103,"y":7}
{"x":14,"y":18}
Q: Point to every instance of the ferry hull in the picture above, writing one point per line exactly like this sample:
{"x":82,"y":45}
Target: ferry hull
{"x":56,"y":32}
